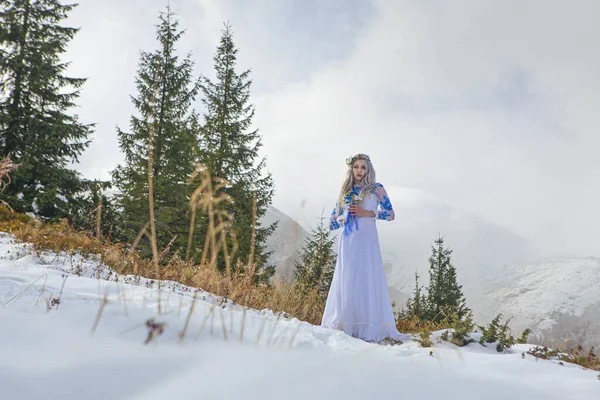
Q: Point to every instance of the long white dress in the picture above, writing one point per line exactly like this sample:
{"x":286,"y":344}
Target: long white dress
{"x":358,"y":302}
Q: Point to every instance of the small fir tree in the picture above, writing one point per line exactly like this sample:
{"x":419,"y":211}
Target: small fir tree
{"x":444,"y":294}
{"x":317,"y":260}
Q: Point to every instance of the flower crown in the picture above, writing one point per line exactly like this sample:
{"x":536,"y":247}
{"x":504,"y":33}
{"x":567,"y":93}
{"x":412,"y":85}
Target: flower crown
{"x":350,"y":160}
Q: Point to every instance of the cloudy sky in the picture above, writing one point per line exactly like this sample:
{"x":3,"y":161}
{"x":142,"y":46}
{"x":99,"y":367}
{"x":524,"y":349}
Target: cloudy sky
{"x":491,"y":106}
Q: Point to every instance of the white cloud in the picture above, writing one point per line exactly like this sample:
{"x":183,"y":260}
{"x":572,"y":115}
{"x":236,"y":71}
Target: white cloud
{"x":488,"y":104}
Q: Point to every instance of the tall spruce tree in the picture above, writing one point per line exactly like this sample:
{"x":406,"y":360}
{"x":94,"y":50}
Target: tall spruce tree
{"x":163,"y":129}
{"x":36,"y":128}
{"x":443,"y":293}
{"x":317,"y":260}
{"x":230,"y":150}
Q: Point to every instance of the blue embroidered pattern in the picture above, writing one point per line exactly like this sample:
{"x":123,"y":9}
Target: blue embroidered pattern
{"x":386,"y":205}
{"x":385,"y":214}
{"x":351,"y":219}
{"x":333,"y":223}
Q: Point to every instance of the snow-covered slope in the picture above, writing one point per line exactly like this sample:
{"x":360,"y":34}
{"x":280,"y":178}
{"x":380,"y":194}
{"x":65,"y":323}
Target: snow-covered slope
{"x":227,"y":352}
{"x":558,"y":300}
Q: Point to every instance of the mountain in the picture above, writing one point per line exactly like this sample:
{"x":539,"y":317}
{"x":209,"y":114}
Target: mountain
{"x":501,"y":272}
{"x":479,"y":247}
{"x":285,"y":242}
{"x":559,"y":300}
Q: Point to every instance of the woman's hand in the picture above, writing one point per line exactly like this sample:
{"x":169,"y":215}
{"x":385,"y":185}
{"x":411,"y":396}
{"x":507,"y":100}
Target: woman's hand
{"x":355,"y":210}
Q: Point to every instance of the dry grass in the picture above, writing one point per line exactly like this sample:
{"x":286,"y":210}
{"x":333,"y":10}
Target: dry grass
{"x":6,"y":167}
{"x":237,"y":286}
{"x":415,"y":325}
{"x":585,"y":358}
{"x":282,"y":297}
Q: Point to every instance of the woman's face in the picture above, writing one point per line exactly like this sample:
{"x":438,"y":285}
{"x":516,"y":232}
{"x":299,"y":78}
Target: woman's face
{"x":359,"y":170}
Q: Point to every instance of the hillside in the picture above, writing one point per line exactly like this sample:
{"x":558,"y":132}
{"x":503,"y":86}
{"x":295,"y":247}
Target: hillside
{"x":558,"y":300}
{"x":479,"y":247}
{"x":285,"y":242}
{"x":79,"y":348}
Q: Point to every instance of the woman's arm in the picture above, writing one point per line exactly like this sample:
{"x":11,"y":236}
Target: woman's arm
{"x":333,"y":222}
{"x":386,"y":211}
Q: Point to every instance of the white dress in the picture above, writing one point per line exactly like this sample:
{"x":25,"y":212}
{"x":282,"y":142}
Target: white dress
{"x":358,"y":302}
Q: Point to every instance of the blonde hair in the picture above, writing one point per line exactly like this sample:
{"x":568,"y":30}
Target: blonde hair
{"x":368,"y":183}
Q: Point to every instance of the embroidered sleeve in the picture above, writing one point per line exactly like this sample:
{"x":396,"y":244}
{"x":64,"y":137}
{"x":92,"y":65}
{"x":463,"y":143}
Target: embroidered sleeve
{"x":385,"y":211}
{"x":333,"y":222}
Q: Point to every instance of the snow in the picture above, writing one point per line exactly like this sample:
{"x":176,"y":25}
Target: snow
{"x":229,"y":352}
{"x":561,"y":295}
{"x":62,"y":197}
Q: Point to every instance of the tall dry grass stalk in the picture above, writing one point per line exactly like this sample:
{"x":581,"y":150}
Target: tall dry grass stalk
{"x":142,"y":232}
{"x":253,"y":235}
{"x":189,"y":317}
{"x":151,"y":195}
{"x":6,"y":167}
{"x":208,"y":197}
{"x":237,"y":283}
{"x":100,"y":311}
{"x":99,"y":215}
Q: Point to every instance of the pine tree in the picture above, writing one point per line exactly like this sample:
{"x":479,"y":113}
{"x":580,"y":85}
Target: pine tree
{"x":317,"y":260}
{"x":443,"y":292}
{"x":417,"y":304}
{"x":36,"y":129}
{"x":454,"y":294}
{"x":230,"y":150}
{"x":435,"y":290}
{"x":166,"y":91}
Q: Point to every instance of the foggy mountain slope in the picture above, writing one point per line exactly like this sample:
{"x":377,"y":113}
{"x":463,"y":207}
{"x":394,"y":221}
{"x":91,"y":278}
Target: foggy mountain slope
{"x":556,"y":299}
{"x":480,"y":248}
{"x":285,"y":242}
{"x":501,"y":272}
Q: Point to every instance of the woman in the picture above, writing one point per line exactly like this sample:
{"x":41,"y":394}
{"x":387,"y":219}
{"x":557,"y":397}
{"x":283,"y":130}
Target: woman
{"x":358,"y":301}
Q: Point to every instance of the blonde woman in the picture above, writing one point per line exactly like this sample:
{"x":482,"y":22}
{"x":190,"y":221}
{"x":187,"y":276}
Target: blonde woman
{"x":358,"y":302}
